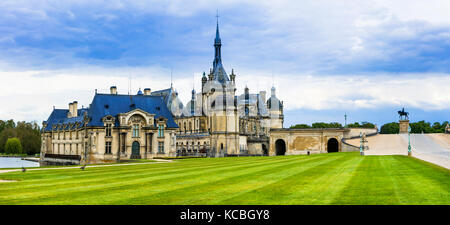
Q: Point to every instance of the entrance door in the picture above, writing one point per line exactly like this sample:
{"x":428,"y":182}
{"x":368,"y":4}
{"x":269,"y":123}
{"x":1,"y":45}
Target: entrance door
{"x":280,"y":147}
{"x":135,"y":150}
{"x":333,"y":145}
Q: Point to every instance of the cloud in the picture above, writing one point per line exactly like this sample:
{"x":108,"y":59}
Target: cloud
{"x":323,"y":54}
{"x":321,"y":37}
{"x":323,"y":92}
{"x":38,"y":91}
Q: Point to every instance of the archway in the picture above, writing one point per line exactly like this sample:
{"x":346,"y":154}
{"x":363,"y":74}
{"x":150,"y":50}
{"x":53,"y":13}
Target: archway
{"x":280,"y":147}
{"x":135,"y":153}
{"x":333,"y":145}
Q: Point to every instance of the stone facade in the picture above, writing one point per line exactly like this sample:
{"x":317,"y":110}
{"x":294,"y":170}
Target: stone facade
{"x":302,"y":141}
{"x":108,"y":133}
{"x":216,"y":122}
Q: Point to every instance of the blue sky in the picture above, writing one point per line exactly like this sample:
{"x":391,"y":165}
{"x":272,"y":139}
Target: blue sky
{"x":325,"y":57}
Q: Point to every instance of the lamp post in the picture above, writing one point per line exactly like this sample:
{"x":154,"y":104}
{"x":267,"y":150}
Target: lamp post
{"x":361,"y":145}
{"x":409,"y":140}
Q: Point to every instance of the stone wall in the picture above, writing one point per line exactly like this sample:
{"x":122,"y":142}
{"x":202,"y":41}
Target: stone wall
{"x":302,"y":141}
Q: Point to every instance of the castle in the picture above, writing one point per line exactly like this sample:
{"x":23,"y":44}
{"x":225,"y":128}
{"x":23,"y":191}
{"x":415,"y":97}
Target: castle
{"x":214,"y":123}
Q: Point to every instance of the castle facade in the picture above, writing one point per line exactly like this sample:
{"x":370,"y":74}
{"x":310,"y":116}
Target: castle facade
{"x":214,"y":123}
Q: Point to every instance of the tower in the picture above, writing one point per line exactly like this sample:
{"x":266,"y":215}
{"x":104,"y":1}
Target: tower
{"x":220,"y":106}
{"x":275,"y":107}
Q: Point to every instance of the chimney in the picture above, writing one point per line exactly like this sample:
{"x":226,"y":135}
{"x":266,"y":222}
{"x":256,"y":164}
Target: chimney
{"x":75,"y":109}
{"x":147,"y":91}
{"x":113,"y":90}
{"x":69,"y":114}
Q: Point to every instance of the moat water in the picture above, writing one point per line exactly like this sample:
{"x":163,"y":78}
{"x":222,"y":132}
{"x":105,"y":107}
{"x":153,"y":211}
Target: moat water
{"x":16,"y":162}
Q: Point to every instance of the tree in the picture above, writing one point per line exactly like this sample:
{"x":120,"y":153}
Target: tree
{"x":421,"y":127}
{"x":326,"y":125}
{"x":300,"y":126}
{"x":27,"y":132}
{"x":13,"y":146}
{"x":5,"y":135}
{"x":390,"y":128}
{"x":362,"y":125}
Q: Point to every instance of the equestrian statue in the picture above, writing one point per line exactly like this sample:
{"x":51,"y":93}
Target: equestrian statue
{"x":404,"y":114}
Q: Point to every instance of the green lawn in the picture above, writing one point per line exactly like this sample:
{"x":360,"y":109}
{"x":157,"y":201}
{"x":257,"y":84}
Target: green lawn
{"x":337,"y":178}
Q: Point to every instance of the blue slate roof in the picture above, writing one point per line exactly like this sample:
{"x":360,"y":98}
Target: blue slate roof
{"x":219,"y":73}
{"x":59,"y":117}
{"x":112,"y":104}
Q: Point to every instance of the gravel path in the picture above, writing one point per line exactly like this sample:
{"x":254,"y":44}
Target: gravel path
{"x":434,"y":148}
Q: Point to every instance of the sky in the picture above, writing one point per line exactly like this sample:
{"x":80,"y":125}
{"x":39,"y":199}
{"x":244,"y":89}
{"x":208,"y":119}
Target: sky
{"x":326,"y":58}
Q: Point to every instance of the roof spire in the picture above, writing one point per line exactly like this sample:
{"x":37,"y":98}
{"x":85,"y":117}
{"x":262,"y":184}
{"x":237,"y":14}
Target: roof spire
{"x":218,"y":71}
{"x":217,"y":27}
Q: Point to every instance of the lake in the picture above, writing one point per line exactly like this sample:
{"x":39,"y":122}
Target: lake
{"x":16,"y":162}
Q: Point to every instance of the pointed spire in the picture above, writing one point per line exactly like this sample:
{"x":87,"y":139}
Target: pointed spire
{"x":217,"y":40}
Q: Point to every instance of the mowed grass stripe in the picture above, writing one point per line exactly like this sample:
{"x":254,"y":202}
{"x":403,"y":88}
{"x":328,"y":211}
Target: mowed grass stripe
{"x":105,"y":180}
{"x":291,"y":188}
{"x":63,"y":177}
{"x":397,"y":180}
{"x":338,"y":178}
{"x":426,"y":180}
{"x":370,"y":185}
{"x":236,"y":192}
{"x":121,"y":182}
{"x":58,"y":174}
{"x":201,"y":190}
{"x":154,"y":186}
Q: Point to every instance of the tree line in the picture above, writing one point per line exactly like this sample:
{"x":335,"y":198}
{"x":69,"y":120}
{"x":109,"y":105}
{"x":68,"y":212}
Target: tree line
{"x":388,"y":128}
{"x":416,"y":127}
{"x":19,"y":138}
{"x":333,"y":125}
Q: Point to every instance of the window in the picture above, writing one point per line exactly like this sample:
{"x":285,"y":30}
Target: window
{"x":160,"y":130}
{"x":161,"y":147}
{"x":108,"y":147}
{"x":135,"y":130}
{"x":108,"y":130}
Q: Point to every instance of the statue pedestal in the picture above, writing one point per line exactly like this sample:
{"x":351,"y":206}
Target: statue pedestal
{"x":403,"y":126}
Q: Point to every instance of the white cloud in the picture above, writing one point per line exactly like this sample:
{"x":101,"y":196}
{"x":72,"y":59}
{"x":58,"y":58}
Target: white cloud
{"x":288,"y":36}
{"x":30,"y":95}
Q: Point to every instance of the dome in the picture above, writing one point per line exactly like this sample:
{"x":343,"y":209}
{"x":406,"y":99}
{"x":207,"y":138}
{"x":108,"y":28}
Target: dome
{"x":275,"y":101}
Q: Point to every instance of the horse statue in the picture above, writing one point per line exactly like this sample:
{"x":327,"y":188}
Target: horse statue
{"x":403,"y":113}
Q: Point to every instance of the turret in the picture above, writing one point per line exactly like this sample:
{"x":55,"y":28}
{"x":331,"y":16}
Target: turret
{"x":232,"y":76}
{"x":204,"y":79}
